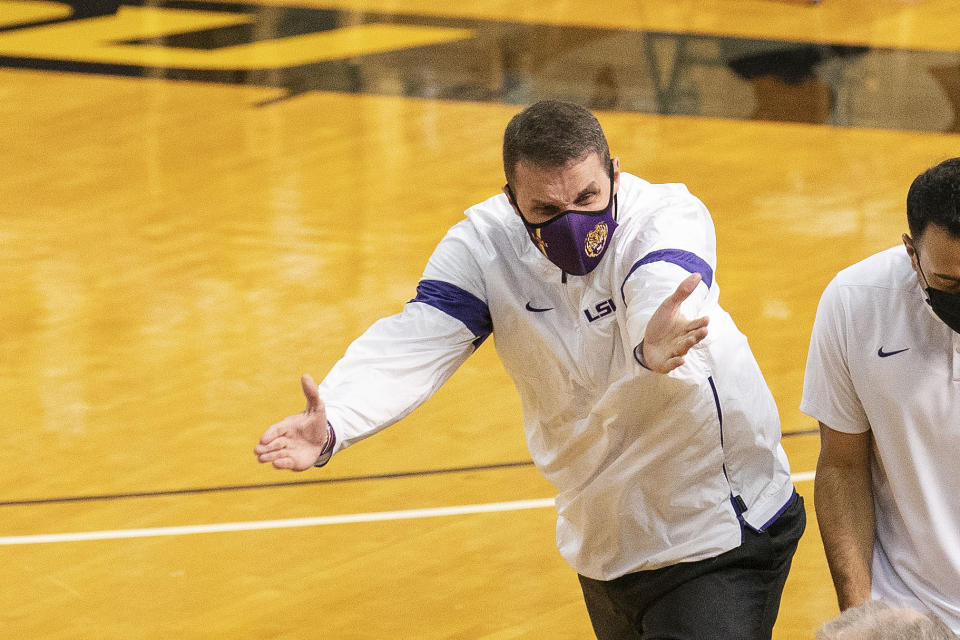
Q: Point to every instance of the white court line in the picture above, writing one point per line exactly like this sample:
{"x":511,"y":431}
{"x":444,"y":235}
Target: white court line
{"x":223,"y":527}
{"x":280,"y":524}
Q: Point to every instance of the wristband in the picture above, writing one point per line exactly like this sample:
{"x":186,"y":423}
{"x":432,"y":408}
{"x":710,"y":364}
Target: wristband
{"x":327,"y":452}
{"x":638,"y":356}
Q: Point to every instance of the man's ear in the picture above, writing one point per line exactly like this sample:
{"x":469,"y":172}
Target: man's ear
{"x":911,"y":250}
{"x":616,"y":174}
{"x":506,"y":192}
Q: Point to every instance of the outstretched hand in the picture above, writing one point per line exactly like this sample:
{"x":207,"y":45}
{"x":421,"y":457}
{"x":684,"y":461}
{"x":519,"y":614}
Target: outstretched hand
{"x":669,"y":335}
{"x":296,"y":441}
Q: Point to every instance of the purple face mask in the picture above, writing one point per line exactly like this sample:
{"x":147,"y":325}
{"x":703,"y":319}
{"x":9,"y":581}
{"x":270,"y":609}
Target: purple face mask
{"x":575,"y":241}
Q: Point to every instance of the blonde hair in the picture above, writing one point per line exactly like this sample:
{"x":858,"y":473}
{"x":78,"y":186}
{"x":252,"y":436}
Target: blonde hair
{"x":878,"y":620}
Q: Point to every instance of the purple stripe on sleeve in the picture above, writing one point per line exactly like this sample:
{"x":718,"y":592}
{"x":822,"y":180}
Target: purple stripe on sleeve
{"x":459,"y":304}
{"x":689,"y":261}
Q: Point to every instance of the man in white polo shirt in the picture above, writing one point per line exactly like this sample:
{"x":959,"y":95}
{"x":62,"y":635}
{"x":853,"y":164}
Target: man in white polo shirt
{"x":883,"y":380}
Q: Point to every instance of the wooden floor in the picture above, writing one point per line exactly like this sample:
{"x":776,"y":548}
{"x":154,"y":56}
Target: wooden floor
{"x":173,"y":255}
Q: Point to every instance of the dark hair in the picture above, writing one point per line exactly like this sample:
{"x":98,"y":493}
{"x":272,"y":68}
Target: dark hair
{"x":551,"y":134}
{"x":934,"y":197}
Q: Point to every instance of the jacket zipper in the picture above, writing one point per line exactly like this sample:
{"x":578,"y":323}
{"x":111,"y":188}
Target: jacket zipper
{"x":739,"y":506}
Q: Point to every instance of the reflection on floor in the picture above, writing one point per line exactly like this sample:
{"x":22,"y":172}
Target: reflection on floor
{"x":519,"y":63}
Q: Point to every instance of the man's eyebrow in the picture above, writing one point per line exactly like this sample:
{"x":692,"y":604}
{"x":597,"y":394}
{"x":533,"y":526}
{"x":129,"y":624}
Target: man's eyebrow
{"x":588,"y":190}
{"x":539,"y":204}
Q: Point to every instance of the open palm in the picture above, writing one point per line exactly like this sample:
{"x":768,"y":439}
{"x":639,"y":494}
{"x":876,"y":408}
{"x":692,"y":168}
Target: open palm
{"x":669,"y":336}
{"x":296,"y":441}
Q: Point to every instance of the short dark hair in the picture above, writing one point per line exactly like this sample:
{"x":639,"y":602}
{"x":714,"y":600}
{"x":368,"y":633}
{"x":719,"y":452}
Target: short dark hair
{"x":551,"y":134}
{"x":934,"y":197}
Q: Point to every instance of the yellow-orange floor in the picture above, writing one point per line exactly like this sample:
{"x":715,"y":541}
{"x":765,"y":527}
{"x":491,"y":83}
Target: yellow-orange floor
{"x":175,"y":253}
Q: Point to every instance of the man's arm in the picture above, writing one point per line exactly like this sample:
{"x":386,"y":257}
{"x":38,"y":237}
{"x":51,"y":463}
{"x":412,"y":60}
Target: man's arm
{"x":386,"y":373}
{"x":843,"y":496}
{"x":394,"y":366}
{"x":667,"y":273}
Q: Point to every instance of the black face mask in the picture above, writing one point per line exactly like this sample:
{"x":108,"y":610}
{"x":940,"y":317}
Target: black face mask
{"x":946,"y":305}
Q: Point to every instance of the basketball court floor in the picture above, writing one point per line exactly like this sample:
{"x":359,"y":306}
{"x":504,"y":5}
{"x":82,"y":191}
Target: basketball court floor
{"x":200,"y":201}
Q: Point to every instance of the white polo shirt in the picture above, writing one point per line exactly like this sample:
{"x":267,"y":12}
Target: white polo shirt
{"x":881,"y":360}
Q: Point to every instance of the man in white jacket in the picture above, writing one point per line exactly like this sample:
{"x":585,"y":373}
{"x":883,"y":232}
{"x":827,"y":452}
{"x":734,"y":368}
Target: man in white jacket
{"x":674,"y":503}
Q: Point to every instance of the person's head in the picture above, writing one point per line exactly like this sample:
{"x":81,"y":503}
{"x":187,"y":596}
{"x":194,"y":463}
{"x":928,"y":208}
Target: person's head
{"x":561,"y":181}
{"x":933,"y":216}
{"x":877,"y":620}
{"x":934,"y":198}
{"x":556,"y":158}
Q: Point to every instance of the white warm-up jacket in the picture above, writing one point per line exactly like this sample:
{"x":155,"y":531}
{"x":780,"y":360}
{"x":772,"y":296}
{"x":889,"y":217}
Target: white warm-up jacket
{"x":650,"y":469}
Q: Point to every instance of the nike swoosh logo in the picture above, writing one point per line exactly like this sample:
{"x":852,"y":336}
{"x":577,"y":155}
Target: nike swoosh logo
{"x":536,"y":309}
{"x":887,"y":354}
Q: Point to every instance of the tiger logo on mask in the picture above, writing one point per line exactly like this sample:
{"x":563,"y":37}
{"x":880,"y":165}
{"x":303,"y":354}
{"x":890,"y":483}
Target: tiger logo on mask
{"x":596,"y":240}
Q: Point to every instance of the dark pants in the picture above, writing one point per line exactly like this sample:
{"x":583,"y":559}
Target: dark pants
{"x":734,"y":596}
